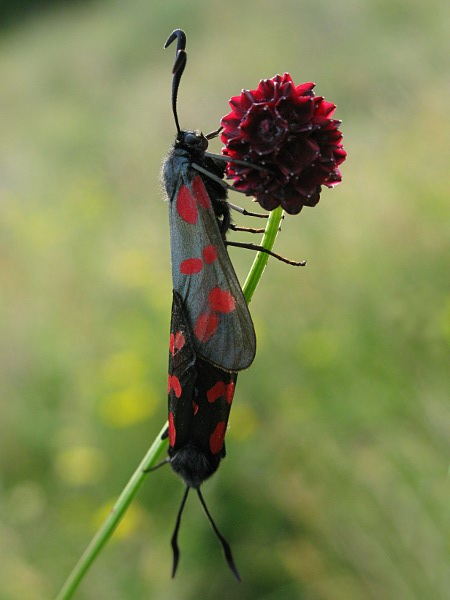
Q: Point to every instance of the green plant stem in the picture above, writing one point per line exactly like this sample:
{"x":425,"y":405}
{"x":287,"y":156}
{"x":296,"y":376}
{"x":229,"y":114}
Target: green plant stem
{"x":114,"y":517}
{"x":261,"y":258}
{"x":159,"y":445}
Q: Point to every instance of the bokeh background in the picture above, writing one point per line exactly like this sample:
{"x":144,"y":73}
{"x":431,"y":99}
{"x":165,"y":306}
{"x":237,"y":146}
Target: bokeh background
{"x":336,"y":482}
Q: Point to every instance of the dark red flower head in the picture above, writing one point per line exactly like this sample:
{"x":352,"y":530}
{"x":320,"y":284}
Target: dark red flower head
{"x":290,"y":141}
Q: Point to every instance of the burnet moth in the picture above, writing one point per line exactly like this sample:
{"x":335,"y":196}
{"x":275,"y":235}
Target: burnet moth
{"x":211,"y":333}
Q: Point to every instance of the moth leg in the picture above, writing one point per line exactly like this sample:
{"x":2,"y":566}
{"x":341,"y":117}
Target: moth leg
{"x":257,"y":248}
{"x":215,"y":178}
{"x":227,"y":186}
{"x":157,"y":466}
{"x":213,"y":134}
{"x":235,"y":161}
{"x":246,"y":229}
{"x":245,"y":212}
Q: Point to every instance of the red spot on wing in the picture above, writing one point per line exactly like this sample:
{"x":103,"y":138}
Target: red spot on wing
{"x":172,"y":431}
{"x":221,"y":301}
{"x":229,"y":392}
{"x":179,"y":340}
{"x":176,"y":342}
{"x":175,"y":385}
{"x":217,"y":391}
{"x":200,"y":192}
{"x":195,"y":407}
{"x":190,"y":266}
{"x":221,"y":390}
{"x":217,"y":437}
{"x":206,"y":326}
{"x":209,"y":254}
{"x":186,"y":205}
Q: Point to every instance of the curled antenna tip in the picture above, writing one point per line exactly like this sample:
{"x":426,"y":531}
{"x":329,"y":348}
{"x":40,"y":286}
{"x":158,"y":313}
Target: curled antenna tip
{"x":178,"y":67}
{"x":177,"y":33}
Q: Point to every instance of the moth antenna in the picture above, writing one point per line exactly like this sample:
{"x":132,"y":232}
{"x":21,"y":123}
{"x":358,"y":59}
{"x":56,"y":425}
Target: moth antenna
{"x":225,"y":545}
{"x":178,"y":67}
{"x":174,"y":540}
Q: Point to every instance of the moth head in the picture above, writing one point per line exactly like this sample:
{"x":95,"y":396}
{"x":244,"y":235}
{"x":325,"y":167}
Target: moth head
{"x":193,"y":140}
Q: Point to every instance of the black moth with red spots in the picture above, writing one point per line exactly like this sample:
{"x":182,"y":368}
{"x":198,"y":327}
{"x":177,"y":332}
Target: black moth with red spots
{"x":200,"y":396}
{"x":212,"y":335}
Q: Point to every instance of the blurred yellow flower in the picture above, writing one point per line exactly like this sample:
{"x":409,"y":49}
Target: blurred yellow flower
{"x":79,"y":465}
{"x":128,"y":406}
{"x":129,"y":398}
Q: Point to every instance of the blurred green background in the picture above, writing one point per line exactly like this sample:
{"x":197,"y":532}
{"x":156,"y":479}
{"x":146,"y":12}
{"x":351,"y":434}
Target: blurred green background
{"x":336,"y":482}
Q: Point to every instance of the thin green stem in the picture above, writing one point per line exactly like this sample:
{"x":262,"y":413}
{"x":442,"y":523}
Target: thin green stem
{"x":159,"y":445}
{"x":114,"y":517}
{"x":261,"y":258}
